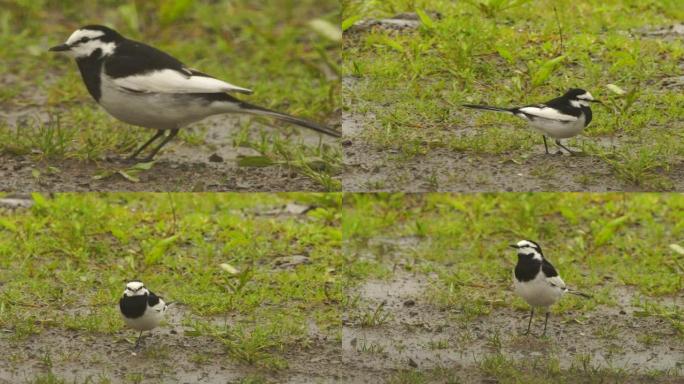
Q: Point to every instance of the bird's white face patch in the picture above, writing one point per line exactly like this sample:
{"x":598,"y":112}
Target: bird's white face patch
{"x":585,"y":96}
{"x":84,"y":42}
{"x":579,"y":103}
{"x":81,"y":33}
{"x":528,"y":247}
{"x":135,"y":288}
{"x":524,"y":244}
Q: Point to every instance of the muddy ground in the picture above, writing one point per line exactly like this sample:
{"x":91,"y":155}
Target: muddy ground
{"x":416,"y":335}
{"x":169,"y":355}
{"x":211,"y":166}
{"x":368,"y":168}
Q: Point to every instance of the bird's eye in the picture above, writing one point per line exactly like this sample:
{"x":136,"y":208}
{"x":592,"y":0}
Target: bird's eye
{"x":84,"y":39}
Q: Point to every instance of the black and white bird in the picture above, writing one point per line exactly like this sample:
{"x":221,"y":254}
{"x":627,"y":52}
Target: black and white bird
{"x":537,"y":281}
{"x":560,"y":118}
{"x":141,"y":85}
{"x":140,"y":308}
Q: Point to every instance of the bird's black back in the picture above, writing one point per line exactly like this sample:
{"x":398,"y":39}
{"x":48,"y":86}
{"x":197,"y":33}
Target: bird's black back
{"x":562,"y":104}
{"x":153,"y":299}
{"x":548,"y":269}
{"x":133,"y":58}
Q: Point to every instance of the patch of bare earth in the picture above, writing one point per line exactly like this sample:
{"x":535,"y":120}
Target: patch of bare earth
{"x":410,"y":332}
{"x":212,"y":166}
{"x":167,"y":355}
{"x":417,"y":335}
{"x":368,"y":168}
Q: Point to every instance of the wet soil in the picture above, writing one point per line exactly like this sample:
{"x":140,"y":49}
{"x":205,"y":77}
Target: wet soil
{"x":418,"y":335}
{"x":212,"y":166}
{"x":413,"y":333}
{"x":368,"y":168}
{"x":167,"y":355}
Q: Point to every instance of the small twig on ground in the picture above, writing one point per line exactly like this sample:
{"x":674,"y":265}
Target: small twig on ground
{"x":560,"y":29}
{"x":173,"y":211}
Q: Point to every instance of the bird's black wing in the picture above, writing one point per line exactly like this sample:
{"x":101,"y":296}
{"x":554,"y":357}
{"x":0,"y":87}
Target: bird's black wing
{"x":563,"y":105}
{"x":133,"y":58}
{"x":548,"y":269}
{"x":152,"y":299}
{"x":140,"y":68}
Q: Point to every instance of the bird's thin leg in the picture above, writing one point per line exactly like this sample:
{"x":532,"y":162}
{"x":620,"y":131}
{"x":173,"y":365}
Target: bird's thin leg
{"x":558,"y":143}
{"x":137,"y":343}
{"x":546,"y":321}
{"x":546,"y":147}
{"x":529,"y":324}
{"x":160,"y":132}
{"x":168,"y":138}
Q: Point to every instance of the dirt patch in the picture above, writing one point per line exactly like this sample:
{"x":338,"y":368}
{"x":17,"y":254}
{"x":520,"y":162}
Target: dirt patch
{"x":370,"y":169}
{"x":179,"y":167}
{"x":670,"y":32}
{"x":167,"y":356}
{"x":16,"y":174}
{"x":417,"y":335}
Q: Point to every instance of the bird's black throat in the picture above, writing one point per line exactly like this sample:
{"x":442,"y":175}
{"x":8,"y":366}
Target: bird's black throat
{"x":527,"y":268}
{"x":133,"y":306}
{"x":91,"y":68}
{"x":587,"y":115}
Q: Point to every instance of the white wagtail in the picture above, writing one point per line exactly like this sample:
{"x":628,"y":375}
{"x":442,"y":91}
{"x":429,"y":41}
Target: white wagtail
{"x":560,"y":118}
{"x":141,"y":85}
{"x":140,"y":308}
{"x":536,"y":280}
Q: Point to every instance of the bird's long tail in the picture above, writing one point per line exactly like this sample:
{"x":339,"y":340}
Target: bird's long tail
{"x":488,"y":108}
{"x":578,"y":293}
{"x":257,"y":110}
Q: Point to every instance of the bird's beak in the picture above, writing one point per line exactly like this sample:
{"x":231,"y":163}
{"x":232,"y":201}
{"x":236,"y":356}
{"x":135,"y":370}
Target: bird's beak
{"x":60,"y":48}
{"x":596,"y":101}
{"x":513,"y":246}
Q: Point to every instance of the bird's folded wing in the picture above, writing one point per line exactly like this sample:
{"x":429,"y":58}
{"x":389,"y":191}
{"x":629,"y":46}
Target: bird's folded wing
{"x":546,"y":113}
{"x":556,"y":281}
{"x":173,"y":81}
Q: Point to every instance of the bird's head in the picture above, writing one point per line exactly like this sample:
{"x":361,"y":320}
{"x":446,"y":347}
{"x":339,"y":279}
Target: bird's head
{"x":580,"y":97}
{"x":135,"y":288}
{"x":90,"y":41}
{"x":528,"y":247}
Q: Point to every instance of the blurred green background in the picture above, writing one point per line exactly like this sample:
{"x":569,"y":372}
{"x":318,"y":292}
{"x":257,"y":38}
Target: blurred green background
{"x":287,"y":51}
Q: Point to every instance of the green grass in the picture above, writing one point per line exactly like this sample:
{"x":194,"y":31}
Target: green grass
{"x":176,"y":243}
{"x":269,"y":47}
{"x":510,"y":53}
{"x":585,"y":234}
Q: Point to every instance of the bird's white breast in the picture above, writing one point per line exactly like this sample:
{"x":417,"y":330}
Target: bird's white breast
{"x":154,"y":109}
{"x":150,"y":319}
{"x":558,"y":129}
{"x":540,"y":292}
{"x":549,"y":122}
